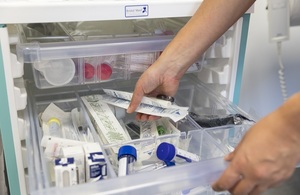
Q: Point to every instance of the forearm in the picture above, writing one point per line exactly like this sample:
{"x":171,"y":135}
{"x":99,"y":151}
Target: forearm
{"x":209,"y":22}
{"x":290,"y":113}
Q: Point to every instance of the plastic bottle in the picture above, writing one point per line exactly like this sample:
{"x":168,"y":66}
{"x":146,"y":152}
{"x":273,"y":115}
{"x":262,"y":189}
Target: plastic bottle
{"x":127,"y":158}
{"x":168,"y":152}
{"x":54,"y":127}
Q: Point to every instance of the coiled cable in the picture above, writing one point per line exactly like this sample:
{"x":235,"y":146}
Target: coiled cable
{"x":281,"y":72}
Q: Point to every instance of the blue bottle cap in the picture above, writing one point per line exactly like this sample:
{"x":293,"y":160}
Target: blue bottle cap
{"x":127,"y":150}
{"x":165,"y":151}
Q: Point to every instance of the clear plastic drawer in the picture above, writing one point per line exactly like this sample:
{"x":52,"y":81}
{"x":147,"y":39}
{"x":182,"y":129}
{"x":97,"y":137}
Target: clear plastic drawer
{"x":206,"y":146}
{"x":79,"y":53}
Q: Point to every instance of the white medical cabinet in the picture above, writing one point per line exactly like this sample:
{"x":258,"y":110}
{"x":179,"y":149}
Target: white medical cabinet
{"x":60,"y":51}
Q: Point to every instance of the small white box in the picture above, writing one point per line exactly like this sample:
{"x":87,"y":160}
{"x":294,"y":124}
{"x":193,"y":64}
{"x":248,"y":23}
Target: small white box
{"x":65,"y":172}
{"x":78,"y":154}
{"x":95,"y":164}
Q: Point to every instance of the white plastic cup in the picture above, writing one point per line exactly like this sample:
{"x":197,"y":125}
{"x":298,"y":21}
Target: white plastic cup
{"x":57,"y":72}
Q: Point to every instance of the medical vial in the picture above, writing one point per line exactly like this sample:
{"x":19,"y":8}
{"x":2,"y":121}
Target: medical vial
{"x":127,"y":157}
{"x":168,"y":152}
{"x":54,"y":127}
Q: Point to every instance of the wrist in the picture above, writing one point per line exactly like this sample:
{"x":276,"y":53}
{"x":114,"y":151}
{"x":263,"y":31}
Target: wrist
{"x":288,"y":116}
{"x":173,"y":63}
{"x":290,"y":110}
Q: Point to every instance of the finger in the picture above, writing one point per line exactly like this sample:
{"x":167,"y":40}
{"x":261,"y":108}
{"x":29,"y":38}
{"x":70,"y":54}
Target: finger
{"x":136,"y":99}
{"x":145,"y":117}
{"x":138,"y":116}
{"x":229,"y":156}
{"x":153,"y":118}
{"x":228,"y":179}
{"x":258,"y":190}
{"x":275,"y":184}
{"x":244,"y":186}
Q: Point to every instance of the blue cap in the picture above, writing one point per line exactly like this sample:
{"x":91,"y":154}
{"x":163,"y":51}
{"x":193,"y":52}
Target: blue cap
{"x":166,"y":151}
{"x":127,"y":150}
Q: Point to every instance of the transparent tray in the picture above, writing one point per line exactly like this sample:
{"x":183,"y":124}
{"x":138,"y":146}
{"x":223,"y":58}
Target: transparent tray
{"x":78,"y":53}
{"x":209,"y":143}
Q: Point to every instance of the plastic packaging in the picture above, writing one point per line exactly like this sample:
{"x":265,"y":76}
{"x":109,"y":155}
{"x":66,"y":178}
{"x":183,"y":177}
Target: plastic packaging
{"x":127,"y":157}
{"x":219,"y":120}
{"x":151,"y":106}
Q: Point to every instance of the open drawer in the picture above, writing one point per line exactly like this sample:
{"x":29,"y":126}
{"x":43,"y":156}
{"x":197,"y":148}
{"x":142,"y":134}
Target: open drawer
{"x":151,"y":175}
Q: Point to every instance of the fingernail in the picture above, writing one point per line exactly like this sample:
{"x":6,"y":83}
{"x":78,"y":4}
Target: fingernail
{"x":216,"y":188}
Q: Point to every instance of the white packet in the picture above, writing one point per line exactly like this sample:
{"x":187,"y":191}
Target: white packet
{"x":145,"y":100}
{"x":175,"y":113}
{"x":105,"y":122}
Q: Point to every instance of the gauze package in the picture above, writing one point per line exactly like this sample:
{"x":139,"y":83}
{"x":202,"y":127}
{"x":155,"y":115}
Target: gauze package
{"x":53,"y":145}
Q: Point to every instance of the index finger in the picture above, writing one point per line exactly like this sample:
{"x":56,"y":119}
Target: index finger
{"x":136,"y":99}
{"x":228,"y":179}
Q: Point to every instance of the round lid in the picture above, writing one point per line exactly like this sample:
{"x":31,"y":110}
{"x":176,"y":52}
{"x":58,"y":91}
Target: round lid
{"x":59,"y":72}
{"x":104,"y":71}
{"x":127,"y":150}
{"x":165,"y":151}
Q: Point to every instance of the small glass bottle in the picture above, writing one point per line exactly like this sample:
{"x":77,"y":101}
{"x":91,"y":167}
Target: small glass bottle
{"x":168,"y":152}
{"x":127,"y":157}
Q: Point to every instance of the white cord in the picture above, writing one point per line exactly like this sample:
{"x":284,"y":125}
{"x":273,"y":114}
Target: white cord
{"x":281,"y":72}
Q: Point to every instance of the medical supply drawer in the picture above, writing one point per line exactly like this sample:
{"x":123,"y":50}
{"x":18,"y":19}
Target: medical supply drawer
{"x":197,"y":134}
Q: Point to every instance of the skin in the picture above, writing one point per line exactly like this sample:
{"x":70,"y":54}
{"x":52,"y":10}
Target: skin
{"x":164,"y":75}
{"x":269,"y":152}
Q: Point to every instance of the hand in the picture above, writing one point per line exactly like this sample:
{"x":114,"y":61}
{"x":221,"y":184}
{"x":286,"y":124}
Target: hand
{"x":157,"y":79}
{"x":266,"y":156}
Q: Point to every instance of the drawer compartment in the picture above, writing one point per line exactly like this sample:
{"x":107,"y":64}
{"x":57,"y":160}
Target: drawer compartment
{"x":207,"y":145}
{"x":79,"y":53}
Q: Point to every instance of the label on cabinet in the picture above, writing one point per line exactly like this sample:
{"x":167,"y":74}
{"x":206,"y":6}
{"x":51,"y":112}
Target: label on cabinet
{"x":136,"y":11}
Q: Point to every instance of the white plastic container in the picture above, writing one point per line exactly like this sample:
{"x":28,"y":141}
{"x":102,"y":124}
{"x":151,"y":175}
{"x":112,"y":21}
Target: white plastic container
{"x":57,"y":72}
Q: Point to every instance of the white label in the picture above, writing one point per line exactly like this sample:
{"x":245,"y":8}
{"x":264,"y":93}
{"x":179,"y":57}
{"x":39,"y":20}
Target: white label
{"x":136,"y":11}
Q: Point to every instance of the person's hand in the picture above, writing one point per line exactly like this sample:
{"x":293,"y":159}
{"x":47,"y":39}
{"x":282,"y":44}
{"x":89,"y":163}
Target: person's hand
{"x":266,"y":156}
{"x":157,"y":79}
